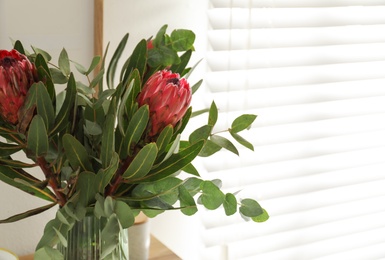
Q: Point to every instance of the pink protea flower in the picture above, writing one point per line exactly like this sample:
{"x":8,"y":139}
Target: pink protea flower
{"x":17,"y":74}
{"x":168,"y":97}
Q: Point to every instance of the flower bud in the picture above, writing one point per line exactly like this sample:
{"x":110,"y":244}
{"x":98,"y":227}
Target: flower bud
{"x":17,"y":74}
{"x":168,"y":97}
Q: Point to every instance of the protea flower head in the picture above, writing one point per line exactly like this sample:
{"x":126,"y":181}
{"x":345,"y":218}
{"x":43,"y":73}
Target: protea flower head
{"x":168,"y":97}
{"x":17,"y":74}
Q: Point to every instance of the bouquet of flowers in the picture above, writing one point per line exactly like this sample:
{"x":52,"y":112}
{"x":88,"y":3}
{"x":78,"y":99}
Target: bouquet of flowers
{"x":107,"y":149}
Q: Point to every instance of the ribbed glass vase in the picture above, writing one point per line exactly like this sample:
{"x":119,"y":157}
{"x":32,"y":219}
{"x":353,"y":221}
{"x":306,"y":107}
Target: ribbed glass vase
{"x":85,"y":242}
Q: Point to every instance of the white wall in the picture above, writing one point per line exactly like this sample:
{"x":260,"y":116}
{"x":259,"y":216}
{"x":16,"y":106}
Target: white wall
{"x":49,"y":25}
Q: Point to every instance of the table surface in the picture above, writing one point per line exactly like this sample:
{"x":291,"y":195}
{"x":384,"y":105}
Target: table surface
{"x":158,"y":251}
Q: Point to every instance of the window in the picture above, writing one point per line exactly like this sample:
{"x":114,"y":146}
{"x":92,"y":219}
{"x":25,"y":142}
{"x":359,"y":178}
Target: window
{"x":313,"y":72}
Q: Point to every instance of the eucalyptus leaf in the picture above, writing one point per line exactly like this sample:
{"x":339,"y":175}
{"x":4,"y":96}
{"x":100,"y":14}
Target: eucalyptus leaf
{"x":213,"y":114}
{"x":250,"y":208}
{"x":64,"y":63}
{"x":201,"y":133}
{"x":47,"y":252}
{"x":242,"y":122}
{"x":262,"y":217}
{"x":212,"y":197}
{"x":182,"y":39}
{"x":187,"y":202}
{"x":224,"y":143}
{"x":209,"y":149}
{"x":124,"y":213}
{"x":242,"y":141}
{"x":230,"y":204}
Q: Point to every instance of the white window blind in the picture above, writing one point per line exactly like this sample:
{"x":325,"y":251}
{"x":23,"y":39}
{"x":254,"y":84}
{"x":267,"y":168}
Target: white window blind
{"x":314,"y":73}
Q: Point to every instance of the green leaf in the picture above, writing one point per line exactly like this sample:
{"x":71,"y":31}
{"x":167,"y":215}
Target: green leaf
{"x":142,"y":163}
{"x":124,"y":213}
{"x":184,"y":59}
{"x":87,"y":187}
{"x":212,"y":197}
{"x":202,"y":133}
{"x":114,"y":61}
{"x":7,"y":149}
{"x":193,"y":185}
{"x":225,"y":143}
{"x":137,"y":60}
{"x":196,"y":86}
{"x":27,"y":214}
{"x":189,"y":168}
{"x":175,"y":163}
{"x":187,"y":202}
{"x":62,"y":239}
{"x":47,"y":252}
{"x":64,"y":63}
{"x":9,"y":175}
{"x":209,"y":149}
{"x":105,"y":176}
{"x":262,"y":217}
{"x":242,"y":122}
{"x":19,"y":47}
{"x":230,"y":204}
{"x":44,"y":104}
{"x":108,"y":140}
{"x":213,"y":114}
{"x":110,"y":235}
{"x":160,"y":36}
{"x":250,"y":208}
{"x":82,"y":70}
{"x":242,"y":141}
{"x":182,"y":40}
{"x":15,"y":163}
{"x":164,"y":138}
{"x":61,"y":119}
{"x":163,"y":55}
{"x":37,"y":141}
{"x":76,"y":153}
{"x":136,"y":127}
{"x":57,"y":76}
{"x":44,"y":54}
{"x":97,"y":79}
{"x":199,"y":112}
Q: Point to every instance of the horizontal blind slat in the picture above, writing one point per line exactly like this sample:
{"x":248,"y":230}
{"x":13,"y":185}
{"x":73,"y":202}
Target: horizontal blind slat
{"x":312,"y":250}
{"x":242,"y":18}
{"x":290,"y":57}
{"x":292,"y":3}
{"x":289,"y":76}
{"x":295,"y":37}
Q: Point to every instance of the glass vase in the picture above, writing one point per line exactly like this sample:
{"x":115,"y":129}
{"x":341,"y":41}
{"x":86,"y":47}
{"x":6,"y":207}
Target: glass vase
{"x":85,"y":241}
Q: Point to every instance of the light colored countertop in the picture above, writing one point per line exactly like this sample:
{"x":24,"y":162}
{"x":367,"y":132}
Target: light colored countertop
{"x":158,"y":251}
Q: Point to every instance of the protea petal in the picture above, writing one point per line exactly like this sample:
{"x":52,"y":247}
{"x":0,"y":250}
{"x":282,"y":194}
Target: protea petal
{"x":17,"y":74}
{"x":168,"y":98}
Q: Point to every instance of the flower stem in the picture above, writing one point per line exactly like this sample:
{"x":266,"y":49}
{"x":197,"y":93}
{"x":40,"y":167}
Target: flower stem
{"x":52,"y":181}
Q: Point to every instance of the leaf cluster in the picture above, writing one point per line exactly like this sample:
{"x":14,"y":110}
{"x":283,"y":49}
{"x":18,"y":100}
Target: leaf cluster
{"x":92,"y":145}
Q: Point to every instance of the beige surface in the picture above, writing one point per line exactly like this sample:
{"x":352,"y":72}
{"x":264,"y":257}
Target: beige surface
{"x":158,"y":251}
